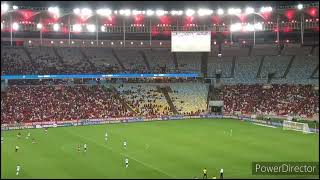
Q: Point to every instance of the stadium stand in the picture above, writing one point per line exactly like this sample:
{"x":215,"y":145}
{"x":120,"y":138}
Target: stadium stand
{"x":296,"y":68}
{"x":189,"y":99}
{"x":281,"y":99}
{"x":58,"y":103}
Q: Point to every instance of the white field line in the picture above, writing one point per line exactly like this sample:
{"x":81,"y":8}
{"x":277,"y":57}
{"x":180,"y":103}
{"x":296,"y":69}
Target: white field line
{"x":264,"y":125}
{"x":145,"y":164}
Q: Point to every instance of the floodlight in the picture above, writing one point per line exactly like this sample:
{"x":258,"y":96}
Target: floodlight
{"x":160,"y":12}
{"x":39,"y":26}
{"x":125,"y":12}
{"x":248,"y":27}
{"x":136,"y":12}
{"x":204,"y":12}
{"x":300,"y":6}
{"x":76,"y":11}
{"x":14,"y":7}
{"x":15,"y":26}
{"x":104,"y":12}
{"x":233,"y":11}
{"x":220,"y":12}
{"x":56,"y":27}
{"x":77,"y":28}
{"x":54,"y":10}
{"x":249,"y":10}
{"x":189,"y":12}
{"x":265,"y":9}
{"x":258,"y":26}
{"x":91,"y":28}
{"x":4,"y":8}
{"x":175,"y":12}
{"x":103,"y":29}
{"x":235,"y":27}
{"x":150,"y":12}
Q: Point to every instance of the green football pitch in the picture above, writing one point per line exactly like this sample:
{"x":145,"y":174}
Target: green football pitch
{"x":158,"y":149}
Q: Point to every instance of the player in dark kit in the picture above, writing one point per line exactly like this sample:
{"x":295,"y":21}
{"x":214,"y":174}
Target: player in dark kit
{"x":205,"y":173}
{"x":19,"y":135}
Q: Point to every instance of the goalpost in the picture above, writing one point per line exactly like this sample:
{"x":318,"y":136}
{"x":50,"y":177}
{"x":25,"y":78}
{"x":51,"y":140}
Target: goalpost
{"x":296,"y":126}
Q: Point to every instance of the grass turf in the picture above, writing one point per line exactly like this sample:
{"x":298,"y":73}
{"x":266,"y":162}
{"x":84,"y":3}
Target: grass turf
{"x":159,"y":149}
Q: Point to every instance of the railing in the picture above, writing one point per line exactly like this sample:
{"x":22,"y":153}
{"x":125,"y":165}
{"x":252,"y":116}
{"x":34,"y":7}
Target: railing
{"x":266,"y":26}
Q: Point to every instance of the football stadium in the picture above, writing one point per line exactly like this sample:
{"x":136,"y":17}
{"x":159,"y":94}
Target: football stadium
{"x":160,"y":90}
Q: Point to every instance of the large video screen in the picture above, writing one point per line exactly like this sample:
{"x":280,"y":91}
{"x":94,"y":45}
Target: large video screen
{"x":190,"y":41}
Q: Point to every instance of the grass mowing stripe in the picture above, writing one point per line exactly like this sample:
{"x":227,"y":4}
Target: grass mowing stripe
{"x":145,"y":164}
{"x":180,"y":148}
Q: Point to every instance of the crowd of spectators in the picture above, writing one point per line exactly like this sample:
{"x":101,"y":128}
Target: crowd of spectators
{"x":59,"y":103}
{"x":283,"y":99}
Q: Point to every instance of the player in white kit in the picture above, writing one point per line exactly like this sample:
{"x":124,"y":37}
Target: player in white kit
{"x":106,"y":136}
{"x":2,"y":140}
{"x":29,"y":134}
{"x":18,"y":170}
{"x":125,"y":144}
{"x":127,"y":162}
{"x":85,"y":147}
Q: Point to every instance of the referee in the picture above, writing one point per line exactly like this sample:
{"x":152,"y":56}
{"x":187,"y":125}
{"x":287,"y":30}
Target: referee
{"x":221,"y":174}
{"x":205,"y":173}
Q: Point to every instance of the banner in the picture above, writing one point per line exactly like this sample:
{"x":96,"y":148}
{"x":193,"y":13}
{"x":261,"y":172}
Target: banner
{"x":89,"y":76}
{"x":83,"y":122}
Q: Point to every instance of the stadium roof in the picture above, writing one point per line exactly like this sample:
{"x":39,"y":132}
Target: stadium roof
{"x":156,"y":4}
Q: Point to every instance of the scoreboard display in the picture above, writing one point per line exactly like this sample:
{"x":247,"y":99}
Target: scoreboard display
{"x":190,"y":41}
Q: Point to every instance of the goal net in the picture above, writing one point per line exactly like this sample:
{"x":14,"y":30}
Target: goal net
{"x":296,"y":126}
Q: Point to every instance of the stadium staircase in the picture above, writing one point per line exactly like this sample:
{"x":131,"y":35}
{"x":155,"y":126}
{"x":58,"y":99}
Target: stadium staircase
{"x":312,"y":49}
{"x":124,"y":103}
{"x":260,"y":66}
{"x":58,"y":55}
{"x":213,"y":94}
{"x":233,"y":66}
{"x":204,"y":64}
{"x":250,"y":51}
{"x":165,"y":91}
{"x":314,"y":72}
{"x":28,"y":54}
{"x":117,"y":58}
{"x":210,"y":94}
{"x":145,"y":59}
{"x":85,"y":57}
{"x":175,"y":61}
{"x":288,"y":67}
{"x":280,"y":49}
